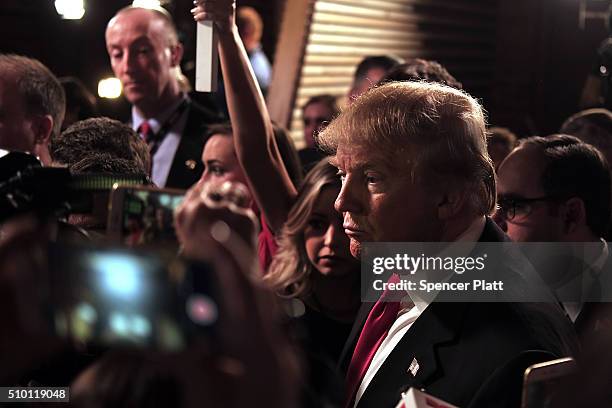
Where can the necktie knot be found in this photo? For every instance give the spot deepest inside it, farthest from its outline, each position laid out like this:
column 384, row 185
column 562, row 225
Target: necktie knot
column 146, row 131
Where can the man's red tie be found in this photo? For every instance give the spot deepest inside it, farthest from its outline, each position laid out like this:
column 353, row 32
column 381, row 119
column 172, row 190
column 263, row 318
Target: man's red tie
column 146, row 131
column 374, row 331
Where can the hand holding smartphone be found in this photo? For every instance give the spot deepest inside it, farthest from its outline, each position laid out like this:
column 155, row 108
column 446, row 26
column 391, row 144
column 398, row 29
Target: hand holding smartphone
column 143, row 216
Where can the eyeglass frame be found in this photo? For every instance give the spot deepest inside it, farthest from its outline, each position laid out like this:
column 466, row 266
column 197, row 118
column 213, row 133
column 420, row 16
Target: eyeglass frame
column 504, row 213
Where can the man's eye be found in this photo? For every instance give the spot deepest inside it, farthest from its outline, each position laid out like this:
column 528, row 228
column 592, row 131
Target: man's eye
column 341, row 175
column 219, row 171
column 372, row 178
column 521, row 208
column 116, row 55
column 144, row 50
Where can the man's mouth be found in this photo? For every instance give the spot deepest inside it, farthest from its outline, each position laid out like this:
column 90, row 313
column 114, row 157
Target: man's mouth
column 132, row 84
column 353, row 231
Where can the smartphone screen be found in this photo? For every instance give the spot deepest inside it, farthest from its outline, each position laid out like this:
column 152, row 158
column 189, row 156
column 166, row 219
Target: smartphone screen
column 115, row 296
column 146, row 216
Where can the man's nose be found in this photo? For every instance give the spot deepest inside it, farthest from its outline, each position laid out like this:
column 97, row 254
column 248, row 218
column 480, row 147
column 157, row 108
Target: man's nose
column 348, row 199
column 128, row 62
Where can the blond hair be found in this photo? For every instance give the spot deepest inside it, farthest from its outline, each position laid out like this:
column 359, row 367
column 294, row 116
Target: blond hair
column 437, row 131
column 291, row 270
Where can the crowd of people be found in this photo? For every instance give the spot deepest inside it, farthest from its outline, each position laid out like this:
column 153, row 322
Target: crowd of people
column 275, row 238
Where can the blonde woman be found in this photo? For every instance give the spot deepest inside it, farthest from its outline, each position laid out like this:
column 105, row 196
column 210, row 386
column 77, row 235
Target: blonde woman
column 313, row 262
column 322, row 272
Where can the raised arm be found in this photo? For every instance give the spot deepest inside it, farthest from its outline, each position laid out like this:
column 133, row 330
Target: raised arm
column 253, row 134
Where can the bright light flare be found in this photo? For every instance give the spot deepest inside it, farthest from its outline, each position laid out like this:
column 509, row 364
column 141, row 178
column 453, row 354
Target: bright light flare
column 152, row 4
column 109, row 88
column 70, row 9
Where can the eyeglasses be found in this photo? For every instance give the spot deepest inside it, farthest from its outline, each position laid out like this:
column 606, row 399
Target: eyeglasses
column 518, row 207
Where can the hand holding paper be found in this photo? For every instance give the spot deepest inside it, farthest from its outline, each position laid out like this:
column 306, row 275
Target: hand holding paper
column 221, row 12
column 213, row 16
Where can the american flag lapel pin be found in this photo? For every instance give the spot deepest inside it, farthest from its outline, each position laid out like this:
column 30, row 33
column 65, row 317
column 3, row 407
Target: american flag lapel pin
column 414, row 367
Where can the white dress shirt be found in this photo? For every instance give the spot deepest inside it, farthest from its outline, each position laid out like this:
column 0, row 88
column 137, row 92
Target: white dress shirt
column 164, row 156
column 410, row 310
column 573, row 309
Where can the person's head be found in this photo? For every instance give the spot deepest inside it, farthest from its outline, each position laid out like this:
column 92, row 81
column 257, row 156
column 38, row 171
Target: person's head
column 500, row 142
column 414, row 164
column 80, row 103
column 312, row 243
column 553, row 189
column 144, row 51
column 317, row 112
column 128, row 378
column 369, row 72
column 592, row 126
column 219, row 157
column 101, row 145
column 250, row 26
column 221, row 162
column 421, row 70
column 32, row 105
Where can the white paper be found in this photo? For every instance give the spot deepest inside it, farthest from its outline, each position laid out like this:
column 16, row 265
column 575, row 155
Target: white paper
column 207, row 58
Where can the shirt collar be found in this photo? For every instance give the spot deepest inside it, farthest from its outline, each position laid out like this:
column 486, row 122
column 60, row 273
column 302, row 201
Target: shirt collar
column 602, row 258
column 155, row 123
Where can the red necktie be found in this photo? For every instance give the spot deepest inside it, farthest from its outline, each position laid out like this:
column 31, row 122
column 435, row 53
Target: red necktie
column 146, row 131
column 374, row 331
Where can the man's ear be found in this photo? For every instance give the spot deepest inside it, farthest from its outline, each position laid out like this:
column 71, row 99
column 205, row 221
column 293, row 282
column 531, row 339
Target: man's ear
column 451, row 202
column 573, row 214
column 176, row 54
column 42, row 127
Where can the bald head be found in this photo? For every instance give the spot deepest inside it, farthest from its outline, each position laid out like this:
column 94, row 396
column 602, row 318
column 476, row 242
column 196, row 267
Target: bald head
column 157, row 18
column 144, row 52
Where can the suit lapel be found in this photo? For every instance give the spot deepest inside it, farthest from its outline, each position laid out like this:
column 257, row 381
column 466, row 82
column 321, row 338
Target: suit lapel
column 415, row 362
column 187, row 166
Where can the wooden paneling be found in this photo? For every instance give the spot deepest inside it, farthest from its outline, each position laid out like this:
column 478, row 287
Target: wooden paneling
column 460, row 34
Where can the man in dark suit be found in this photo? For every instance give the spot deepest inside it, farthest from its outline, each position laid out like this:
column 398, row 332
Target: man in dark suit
column 557, row 189
column 145, row 54
column 414, row 167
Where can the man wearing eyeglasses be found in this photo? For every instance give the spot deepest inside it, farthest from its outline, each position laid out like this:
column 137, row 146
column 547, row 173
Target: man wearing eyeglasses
column 557, row 189
column 554, row 189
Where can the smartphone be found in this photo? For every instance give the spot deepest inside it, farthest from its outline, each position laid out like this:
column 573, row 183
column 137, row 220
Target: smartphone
column 103, row 296
column 541, row 381
column 143, row 216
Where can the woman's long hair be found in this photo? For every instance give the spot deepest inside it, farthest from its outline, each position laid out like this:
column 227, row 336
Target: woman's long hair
column 290, row 271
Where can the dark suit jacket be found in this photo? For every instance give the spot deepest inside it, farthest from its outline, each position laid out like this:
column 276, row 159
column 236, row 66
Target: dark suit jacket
column 469, row 354
column 187, row 164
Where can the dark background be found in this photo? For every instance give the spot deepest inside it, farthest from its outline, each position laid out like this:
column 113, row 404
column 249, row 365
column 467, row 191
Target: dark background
column 542, row 57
